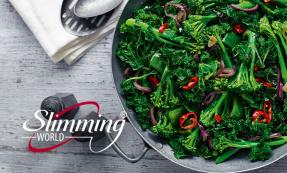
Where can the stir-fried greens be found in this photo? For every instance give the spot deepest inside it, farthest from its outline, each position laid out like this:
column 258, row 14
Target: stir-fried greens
column 209, row 76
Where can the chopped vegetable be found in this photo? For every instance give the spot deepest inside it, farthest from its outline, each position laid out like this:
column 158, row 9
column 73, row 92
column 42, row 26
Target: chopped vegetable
column 188, row 121
column 191, row 84
column 239, row 29
column 154, row 81
column 163, row 27
column 223, row 62
column 218, row 118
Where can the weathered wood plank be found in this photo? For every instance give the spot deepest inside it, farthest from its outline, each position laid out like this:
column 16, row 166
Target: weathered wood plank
column 27, row 76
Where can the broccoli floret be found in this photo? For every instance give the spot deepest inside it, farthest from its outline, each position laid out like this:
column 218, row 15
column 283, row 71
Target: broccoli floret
column 260, row 152
column 265, row 27
column 246, row 82
column 217, row 84
column 221, row 143
column 241, row 81
column 190, row 143
column 171, row 100
column 199, row 6
column 278, row 29
column 164, row 128
column 216, row 108
column 164, row 96
column 252, row 48
column 196, row 23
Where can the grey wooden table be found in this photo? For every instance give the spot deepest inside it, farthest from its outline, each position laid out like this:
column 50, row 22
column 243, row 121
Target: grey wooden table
column 27, row 76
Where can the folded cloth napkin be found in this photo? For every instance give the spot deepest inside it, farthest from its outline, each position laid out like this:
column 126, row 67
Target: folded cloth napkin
column 43, row 18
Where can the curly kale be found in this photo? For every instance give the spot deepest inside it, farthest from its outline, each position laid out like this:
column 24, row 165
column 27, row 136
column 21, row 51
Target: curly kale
column 138, row 101
column 178, row 150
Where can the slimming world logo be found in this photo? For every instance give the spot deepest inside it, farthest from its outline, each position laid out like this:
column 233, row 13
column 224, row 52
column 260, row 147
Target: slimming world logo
column 53, row 130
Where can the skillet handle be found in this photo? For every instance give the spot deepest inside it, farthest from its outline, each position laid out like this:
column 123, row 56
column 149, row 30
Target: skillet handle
column 123, row 154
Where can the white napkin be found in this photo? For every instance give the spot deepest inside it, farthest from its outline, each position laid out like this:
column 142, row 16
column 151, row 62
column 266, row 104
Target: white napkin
column 43, row 18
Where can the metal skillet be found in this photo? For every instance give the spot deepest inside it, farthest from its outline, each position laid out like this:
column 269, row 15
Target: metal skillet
column 239, row 163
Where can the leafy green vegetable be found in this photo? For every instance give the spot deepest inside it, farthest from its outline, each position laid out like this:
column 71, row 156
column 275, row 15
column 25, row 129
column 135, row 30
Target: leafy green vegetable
column 217, row 65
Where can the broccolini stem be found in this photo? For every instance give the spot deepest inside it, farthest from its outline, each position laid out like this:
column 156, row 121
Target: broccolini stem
column 225, row 55
column 281, row 141
column 226, row 155
column 209, row 5
column 222, row 98
column 244, row 144
column 283, row 43
column 253, row 53
column 139, row 77
column 281, row 63
column 247, row 144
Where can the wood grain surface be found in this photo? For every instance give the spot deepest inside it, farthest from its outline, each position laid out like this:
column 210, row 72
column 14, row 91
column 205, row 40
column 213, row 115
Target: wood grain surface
column 27, row 76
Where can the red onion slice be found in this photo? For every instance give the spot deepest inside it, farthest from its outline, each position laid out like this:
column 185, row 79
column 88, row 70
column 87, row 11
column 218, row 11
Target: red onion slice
column 203, row 132
column 182, row 14
column 209, row 142
column 141, row 88
column 272, row 136
column 196, row 57
column 152, row 117
column 227, row 72
column 275, row 136
column 210, row 97
column 128, row 71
